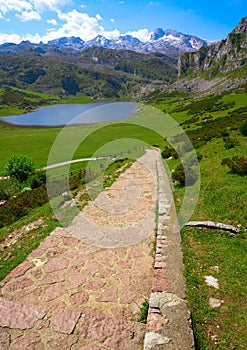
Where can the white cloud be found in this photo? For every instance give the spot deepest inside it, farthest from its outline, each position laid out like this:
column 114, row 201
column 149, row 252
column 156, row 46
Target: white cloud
column 31, row 5
column 121, row 2
column 44, row 5
column 98, row 17
column 74, row 22
column 10, row 38
column 14, row 5
column 29, row 16
column 114, row 34
column 83, row 6
column 141, row 34
column 52, row 21
column 80, row 24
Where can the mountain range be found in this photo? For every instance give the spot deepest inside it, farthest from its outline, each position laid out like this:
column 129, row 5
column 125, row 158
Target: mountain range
column 170, row 42
column 124, row 67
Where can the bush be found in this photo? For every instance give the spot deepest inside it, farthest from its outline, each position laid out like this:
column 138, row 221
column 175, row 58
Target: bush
column 17, row 207
column 186, row 147
column 193, row 159
column 179, row 175
column 19, row 167
column 230, row 142
column 237, row 165
column 169, row 152
column 243, row 128
column 9, row 188
column 37, row 179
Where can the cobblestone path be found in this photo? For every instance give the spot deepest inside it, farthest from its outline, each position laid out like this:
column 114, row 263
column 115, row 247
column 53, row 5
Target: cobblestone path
column 83, row 287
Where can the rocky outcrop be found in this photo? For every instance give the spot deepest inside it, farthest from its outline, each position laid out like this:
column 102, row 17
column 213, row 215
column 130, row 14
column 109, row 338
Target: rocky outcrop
column 224, row 56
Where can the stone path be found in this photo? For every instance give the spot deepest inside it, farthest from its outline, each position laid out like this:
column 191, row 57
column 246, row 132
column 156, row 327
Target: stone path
column 83, row 287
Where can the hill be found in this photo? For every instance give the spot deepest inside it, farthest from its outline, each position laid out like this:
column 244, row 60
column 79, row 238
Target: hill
column 217, row 68
column 96, row 72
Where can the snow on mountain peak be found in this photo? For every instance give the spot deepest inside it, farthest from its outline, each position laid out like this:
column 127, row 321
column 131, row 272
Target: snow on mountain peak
column 160, row 40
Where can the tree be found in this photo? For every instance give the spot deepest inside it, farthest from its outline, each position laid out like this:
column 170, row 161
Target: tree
column 20, row 167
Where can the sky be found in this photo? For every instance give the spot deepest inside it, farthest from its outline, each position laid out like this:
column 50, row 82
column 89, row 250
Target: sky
column 43, row 20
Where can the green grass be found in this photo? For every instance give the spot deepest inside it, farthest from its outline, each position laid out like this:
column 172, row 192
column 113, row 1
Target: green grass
column 115, row 169
column 6, row 110
column 203, row 250
column 36, row 143
column 76, row 99
column 13, row 255
column 32, row 142
column 223, row 198
column 144, row 312
column 14, row 101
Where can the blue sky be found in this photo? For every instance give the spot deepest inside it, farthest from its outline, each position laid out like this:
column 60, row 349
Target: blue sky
column 43, row 20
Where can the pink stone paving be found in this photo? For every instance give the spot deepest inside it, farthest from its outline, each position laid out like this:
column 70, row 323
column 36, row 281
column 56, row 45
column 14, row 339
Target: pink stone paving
column 72, row 292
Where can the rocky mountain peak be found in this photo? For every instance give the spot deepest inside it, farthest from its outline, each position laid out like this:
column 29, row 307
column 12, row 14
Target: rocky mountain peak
column 157, row 34
column 170, row 42
column 224, row 58
column 66, row 41
column 241, row 27
column 128, row 38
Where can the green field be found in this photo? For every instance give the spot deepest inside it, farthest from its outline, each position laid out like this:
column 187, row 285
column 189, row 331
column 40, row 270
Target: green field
column 36, row 143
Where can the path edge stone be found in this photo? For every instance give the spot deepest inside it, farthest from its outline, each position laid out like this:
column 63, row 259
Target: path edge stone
column 163, row 296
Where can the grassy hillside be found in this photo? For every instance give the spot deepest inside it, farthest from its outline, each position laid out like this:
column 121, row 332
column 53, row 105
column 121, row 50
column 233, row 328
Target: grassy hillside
column 95, row 72
column 211, row 123
column 18, row 101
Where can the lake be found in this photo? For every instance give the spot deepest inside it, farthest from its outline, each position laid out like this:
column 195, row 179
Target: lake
column 74, row 114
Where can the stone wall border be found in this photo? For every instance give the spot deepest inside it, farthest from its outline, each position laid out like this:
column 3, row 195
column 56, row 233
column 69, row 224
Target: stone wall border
column 169, row 320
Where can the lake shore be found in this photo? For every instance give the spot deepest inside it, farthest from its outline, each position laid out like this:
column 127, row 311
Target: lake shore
column 61, row 115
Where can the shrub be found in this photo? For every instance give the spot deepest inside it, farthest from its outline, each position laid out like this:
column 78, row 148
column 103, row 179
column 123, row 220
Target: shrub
column 179, row 175
column 186, row 147
column 17, row 207
column 230, row 142
column 169, row 152
column 237, row 165
column 9, row 188
column 37, row 179
column 243, row 128
column 19, row 167
column 193, row 159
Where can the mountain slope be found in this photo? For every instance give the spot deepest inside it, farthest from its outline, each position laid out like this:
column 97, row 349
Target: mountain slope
column 217, row 68
column 173, row 40
column 96, row 72
column 223, row 57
